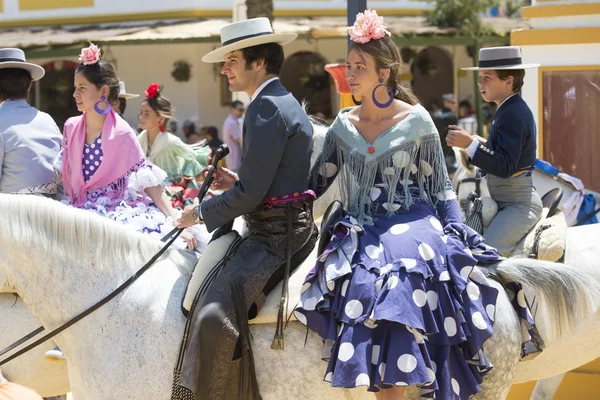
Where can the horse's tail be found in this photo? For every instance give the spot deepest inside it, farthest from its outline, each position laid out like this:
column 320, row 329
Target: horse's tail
column 569, row 294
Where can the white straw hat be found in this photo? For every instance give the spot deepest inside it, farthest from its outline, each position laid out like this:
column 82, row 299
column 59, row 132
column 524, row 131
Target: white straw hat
column 15, row 58
column 505, row 57
column 123, row 92
column 248, row 33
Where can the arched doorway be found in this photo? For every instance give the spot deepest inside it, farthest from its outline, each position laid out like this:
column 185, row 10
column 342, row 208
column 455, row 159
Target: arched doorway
column 433, row 75
column 56, row 91
column 303, row 74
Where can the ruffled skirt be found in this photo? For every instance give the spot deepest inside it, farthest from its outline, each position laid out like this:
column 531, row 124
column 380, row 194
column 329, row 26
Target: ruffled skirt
column 401, row 302
column 135, row 209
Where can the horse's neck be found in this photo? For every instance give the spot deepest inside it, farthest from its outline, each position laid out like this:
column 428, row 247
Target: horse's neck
column 58, row 288
column 62, row 261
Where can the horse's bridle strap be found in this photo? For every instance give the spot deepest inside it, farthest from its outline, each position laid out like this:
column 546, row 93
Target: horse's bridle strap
column 87, row 312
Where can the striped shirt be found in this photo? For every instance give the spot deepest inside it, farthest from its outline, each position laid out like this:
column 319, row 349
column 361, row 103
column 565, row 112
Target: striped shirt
column 232, row 132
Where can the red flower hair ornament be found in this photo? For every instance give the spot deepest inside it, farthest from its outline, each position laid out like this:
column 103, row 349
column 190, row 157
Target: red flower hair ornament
column 153, row 90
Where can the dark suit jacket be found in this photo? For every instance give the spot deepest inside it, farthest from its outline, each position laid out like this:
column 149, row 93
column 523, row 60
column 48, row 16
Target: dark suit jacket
column 277, row 145
column 512, row 144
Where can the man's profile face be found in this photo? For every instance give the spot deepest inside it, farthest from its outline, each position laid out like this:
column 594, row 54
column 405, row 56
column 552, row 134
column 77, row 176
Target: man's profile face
column 235, row 71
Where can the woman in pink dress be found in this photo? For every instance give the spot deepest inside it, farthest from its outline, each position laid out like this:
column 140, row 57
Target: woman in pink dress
column 103, row 167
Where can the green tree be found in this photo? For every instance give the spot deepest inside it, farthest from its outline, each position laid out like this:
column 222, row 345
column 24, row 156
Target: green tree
column 464, row 15
column 513, row 7
column 259, row 8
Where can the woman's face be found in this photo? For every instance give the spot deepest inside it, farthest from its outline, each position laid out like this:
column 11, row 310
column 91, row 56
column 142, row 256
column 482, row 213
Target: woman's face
column 87, row 94
column 150, row 119
column 361, row 73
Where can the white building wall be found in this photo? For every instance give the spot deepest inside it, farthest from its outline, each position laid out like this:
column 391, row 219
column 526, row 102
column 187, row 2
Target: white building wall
column 199, row 99
column 550, row 56
column 13, row 12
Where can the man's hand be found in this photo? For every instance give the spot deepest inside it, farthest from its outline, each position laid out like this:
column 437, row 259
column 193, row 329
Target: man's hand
column 224, row 178
column 458, row 137
column 187, row 219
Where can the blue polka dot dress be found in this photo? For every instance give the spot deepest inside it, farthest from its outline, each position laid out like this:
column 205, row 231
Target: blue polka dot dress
column 397, row 294
column 125, row 201
column 92, row 157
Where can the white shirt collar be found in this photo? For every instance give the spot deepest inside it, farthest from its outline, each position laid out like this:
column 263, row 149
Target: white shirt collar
column 514, row 94
column 261, row 87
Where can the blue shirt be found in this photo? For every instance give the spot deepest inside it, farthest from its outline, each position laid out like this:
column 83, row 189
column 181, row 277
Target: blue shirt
column 29, row 143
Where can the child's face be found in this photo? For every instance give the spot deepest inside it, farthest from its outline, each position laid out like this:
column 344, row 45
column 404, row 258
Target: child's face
column 492, row 88
column 149, row 119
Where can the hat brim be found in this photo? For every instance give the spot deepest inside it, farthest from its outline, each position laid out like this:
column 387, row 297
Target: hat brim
column 128, row 96
column 34, row 70
column 517, row 66
column 218, row 55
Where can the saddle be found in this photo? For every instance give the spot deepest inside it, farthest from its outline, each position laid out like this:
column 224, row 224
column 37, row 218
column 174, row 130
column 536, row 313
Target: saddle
column 545, row 241
column 225, row 239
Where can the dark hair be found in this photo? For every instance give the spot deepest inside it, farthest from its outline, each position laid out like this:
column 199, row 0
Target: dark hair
column 189, row 128
column 100, row 74
column 162, row 106
column 122, row 105
column 517, row 74
column 387, row 55
column 14, row 84
column 211, row 131
column 465, row 103
column 236, row 103
column 270, row 53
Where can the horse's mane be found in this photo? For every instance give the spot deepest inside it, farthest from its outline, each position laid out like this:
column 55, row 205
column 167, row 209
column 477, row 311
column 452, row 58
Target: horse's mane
column 58, row 231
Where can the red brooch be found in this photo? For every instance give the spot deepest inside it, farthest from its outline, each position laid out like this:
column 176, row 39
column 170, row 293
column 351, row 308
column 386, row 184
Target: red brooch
column 371, row 150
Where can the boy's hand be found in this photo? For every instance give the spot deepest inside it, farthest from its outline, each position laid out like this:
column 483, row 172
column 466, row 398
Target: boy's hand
column 458, row 137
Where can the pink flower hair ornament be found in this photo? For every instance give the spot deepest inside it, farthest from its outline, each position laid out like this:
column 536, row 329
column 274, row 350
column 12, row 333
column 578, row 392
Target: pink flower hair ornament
column 368, row 26
column 90, row 55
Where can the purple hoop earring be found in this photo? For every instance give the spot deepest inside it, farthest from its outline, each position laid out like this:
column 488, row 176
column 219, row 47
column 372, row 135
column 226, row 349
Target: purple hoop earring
column 358, row 103
column 390, row 92
column 99, row 110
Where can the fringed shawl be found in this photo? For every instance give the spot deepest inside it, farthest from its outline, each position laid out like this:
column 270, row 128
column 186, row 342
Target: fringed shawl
column 412, row 146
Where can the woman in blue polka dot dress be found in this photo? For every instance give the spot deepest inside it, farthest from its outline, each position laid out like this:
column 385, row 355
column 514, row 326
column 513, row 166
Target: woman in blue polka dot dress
column 396, row 294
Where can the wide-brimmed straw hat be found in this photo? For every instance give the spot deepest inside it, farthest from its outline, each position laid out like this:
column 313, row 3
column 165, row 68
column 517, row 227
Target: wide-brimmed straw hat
column 505, row 57
column 123, row 92
column 15, row 58
column 248, row 33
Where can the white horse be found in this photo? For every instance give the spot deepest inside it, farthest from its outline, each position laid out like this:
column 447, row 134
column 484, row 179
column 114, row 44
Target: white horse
column 128, row 348
column 582, row 248
column 542, row 182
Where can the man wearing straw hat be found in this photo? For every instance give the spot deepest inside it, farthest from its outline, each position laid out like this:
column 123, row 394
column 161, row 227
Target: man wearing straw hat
column 508, row 155
column 271, row 190
column 29, row 139
column 121, row 104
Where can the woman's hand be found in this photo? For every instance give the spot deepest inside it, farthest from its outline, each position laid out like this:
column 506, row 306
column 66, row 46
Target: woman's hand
column 189, row 240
